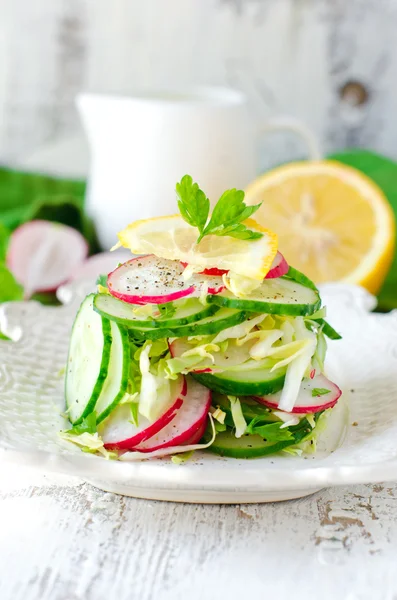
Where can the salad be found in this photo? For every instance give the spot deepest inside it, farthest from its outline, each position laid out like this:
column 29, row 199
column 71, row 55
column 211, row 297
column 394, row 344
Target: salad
column 205, row 340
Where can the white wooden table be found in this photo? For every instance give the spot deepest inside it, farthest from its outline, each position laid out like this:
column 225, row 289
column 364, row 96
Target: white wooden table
column 62, row 539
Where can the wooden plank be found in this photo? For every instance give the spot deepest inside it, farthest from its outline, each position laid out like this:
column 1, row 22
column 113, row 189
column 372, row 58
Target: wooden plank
column 64, row 540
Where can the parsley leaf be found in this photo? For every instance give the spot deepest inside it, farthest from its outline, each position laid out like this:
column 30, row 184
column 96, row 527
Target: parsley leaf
column 166, row 310
column 102, row 280
column 87, row 425
column 193, row 204
column 228, row 214
column 270, row 431
column 320, row 392
column 227, row 217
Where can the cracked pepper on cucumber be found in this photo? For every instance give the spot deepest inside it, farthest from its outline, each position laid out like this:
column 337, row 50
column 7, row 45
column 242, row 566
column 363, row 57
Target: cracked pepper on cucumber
column 207, row 339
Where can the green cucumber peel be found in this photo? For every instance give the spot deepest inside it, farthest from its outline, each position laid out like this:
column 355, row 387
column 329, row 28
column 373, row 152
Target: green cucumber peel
column 280, row 296
column 187, row 312
column 98, row 327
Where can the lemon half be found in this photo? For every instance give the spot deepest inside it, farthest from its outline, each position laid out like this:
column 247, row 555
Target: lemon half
column 333, row 222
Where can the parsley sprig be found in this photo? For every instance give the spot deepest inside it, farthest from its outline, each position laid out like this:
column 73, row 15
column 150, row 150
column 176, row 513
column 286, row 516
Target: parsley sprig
column 227, row 217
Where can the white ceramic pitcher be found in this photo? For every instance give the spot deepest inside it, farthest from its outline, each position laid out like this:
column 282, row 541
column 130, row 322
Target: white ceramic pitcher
column 142, row 145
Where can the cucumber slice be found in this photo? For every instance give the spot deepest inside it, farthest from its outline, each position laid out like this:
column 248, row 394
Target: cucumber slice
column 296, row 275
column 248, row 446
column 250, row 409
column 187, row 311
column 88, row 360
column 243, row 383
column 224, row 318
column 253, row 446
column 275, row 296
column 116, row 382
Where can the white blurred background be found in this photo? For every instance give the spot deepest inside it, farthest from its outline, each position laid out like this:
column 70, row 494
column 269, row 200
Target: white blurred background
column 331, row 63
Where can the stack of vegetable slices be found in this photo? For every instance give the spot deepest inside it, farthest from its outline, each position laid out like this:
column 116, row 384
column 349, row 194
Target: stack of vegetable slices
column 162, row 365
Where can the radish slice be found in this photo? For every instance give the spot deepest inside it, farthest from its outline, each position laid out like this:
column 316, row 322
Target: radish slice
column 148, row 279
column 42, row 255
column 189, row 422
column 278, row 268
column 162, row 452
column 152, row 280
column 306, row 402
column 120, row 433
column 104, row 262
column 196, row 437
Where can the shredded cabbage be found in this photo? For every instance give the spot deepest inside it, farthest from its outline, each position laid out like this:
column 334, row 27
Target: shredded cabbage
column 203, row 351
column 288, row 353
column 238, row 331
column 267, row 338
column 238, row 417
column 179, row 459
column 297, row 368
column 288, row 331
column 219, row 415
column 88, row 442
column 321, row 350
column 155, row 394
column 288, row 419
column 319, row 314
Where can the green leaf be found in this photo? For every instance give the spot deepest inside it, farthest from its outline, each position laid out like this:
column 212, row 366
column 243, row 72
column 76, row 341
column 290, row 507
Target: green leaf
column 320, row 392
column 10, row 289
column 227, row 217
column 102, row 280
column 4, row 239
column 271, row 432
column 228, row 214
column 193, row 204
column 87, row 425
column 167, row 310
column 383, row 171
column 240, row 232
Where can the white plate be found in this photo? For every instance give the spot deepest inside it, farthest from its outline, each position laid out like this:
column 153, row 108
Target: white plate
column 364, row 363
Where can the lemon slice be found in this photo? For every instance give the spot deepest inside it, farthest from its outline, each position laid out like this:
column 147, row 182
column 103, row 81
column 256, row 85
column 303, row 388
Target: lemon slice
column 333, row 222
column 172, row 238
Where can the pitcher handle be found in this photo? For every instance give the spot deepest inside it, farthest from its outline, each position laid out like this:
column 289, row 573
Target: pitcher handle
column 300, row 129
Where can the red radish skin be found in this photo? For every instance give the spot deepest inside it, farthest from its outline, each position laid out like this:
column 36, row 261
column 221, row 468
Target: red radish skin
column 307, row 403
column 196, row 437
column 145, row 430
column 279, row 267
column 43, row 255
column 189, row 421
column 152, row 280
column 148, row 272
